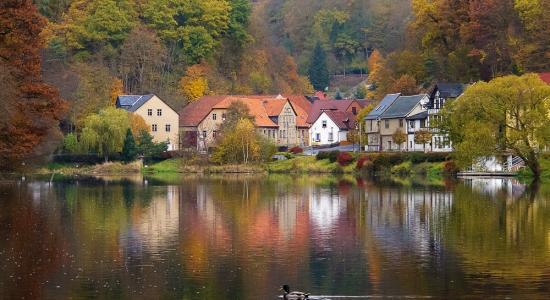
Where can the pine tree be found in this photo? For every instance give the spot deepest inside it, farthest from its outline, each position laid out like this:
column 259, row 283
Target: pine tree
column 318, row 71
column 129, row 150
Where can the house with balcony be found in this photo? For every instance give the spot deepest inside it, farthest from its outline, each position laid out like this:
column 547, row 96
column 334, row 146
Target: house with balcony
column 162, row 119
column 441, row 94
column 415, row 124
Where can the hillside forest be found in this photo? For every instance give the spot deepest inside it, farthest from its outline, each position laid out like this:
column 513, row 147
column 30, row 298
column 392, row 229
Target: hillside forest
column 63, row 60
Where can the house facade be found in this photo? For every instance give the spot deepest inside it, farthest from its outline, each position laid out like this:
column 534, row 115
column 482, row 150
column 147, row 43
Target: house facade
column 278, row 119
column 163, row 120
column 389, row 118
column 331, row 127
column 440, row 95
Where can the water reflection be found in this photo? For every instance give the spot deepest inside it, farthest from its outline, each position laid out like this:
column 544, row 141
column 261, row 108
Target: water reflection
column 242, row 237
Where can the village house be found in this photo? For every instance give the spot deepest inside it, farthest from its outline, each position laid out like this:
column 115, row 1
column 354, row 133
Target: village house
column 332, row 127
column 280, row 119
column 439, row 96
column 163, row 120
column 372, row 122
column 391, row 117
column 331, row 120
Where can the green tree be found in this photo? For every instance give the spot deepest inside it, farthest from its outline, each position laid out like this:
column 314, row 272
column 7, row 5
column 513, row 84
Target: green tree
column 104, row 133
column 506, row 115
column 148, row 148
column 318, row 70
column 129, row 149
column 240, row 145
column 70, row 143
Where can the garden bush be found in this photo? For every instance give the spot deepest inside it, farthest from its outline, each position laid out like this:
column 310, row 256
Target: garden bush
column 403, row 169
column 450, row 167
column 330, row 155
column 296, row 150
column 344, row 158
column 361, row 162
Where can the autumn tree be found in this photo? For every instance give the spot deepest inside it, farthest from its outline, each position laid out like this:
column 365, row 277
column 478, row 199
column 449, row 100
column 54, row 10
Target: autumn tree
column 380, row 76
column 399, row 137
column 138, row 124
column 406, row 85
column 506, row 115
column 30, row 109
column 423, row 137
column 143, row 60
column 117, row 89
column 194, row 84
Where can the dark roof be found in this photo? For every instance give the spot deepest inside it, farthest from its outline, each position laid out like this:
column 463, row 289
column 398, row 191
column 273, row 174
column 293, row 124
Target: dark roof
column 344, row 120
column 382, row 106
column 132, row 102
column 450, row 90
column 419, row 116
column 402, row 106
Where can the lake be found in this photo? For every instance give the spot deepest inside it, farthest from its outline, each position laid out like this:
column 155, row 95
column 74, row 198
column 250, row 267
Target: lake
column 242, row 237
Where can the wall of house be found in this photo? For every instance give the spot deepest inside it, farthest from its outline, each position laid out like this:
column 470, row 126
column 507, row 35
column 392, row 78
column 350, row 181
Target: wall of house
column 324, row 132
column 288, row 133
column 209, row 127
column 166, row 124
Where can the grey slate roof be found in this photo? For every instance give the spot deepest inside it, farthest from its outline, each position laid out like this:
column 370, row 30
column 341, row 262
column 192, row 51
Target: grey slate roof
column 450, row 90
column 382, row 106
column 402, row 106
column 132, row 102
column 419, row 116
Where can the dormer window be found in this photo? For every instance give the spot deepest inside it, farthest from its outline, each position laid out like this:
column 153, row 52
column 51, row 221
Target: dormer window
column 354, row 110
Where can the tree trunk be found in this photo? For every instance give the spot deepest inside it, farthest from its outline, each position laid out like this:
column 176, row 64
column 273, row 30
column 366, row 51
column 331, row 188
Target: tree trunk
column 533, row 163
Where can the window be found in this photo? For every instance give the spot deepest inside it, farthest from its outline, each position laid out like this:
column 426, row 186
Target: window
column 330, row 136
column 387, row 124
column 411, row 145
column 317, row 137
column 214, row 133
column 354, row 110
column 223, row 117
column 423, row 123
column 389, row 145
column 204, row 134
column 154, row 128
column 401, row 123
column 214, row 117
column 149, row 112
column 159, row 112
column 411, row 124
column 167, row 127
column 324, row 124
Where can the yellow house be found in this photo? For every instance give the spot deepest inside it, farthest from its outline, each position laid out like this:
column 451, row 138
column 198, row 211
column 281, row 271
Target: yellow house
column 162, row 119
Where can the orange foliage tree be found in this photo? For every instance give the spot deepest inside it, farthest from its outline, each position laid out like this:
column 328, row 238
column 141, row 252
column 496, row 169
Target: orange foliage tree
column 31, row 109
column 194, row 84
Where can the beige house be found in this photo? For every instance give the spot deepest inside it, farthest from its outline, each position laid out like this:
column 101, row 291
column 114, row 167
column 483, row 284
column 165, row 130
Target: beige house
column 393, row 119
column 278, row 119
column 162, row 119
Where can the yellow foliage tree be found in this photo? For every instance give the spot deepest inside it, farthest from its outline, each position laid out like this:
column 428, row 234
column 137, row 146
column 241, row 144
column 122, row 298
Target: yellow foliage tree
column 194, row 84
column 117, row 89
column 138, row 124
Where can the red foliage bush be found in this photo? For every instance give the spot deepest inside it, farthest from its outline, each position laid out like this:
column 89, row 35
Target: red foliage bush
column 450, row 167
column 344, row 158
column 361, row 162
column 296, row 150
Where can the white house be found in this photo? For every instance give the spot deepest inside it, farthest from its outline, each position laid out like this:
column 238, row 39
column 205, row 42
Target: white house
column 331, row 127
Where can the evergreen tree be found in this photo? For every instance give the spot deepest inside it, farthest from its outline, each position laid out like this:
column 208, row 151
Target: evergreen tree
column 318, row 71
column 129, row 149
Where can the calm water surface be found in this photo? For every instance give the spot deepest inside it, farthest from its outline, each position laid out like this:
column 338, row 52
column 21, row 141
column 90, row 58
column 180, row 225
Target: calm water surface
column 242, row 237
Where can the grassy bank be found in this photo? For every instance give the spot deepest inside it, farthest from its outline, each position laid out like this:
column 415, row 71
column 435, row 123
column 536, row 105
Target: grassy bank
column 307, row 165
column 180, row 165
column 105, row 169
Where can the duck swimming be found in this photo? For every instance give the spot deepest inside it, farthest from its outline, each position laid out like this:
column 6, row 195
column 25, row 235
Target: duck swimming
column 294, row 295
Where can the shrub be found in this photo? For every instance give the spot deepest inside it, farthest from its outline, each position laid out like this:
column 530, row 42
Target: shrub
column 450, row 167
column 344, row 158
column 330, row 155
column 403, row 169
column 361, row 162
column 296, row 150
column 333, row 156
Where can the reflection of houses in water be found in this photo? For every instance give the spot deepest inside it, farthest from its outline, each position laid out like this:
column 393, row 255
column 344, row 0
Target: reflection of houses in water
column 325, row 208
column 510, row 187
column 414, row 214
column 157, row 225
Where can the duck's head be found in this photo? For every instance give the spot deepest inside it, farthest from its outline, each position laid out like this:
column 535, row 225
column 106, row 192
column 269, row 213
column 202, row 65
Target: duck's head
column 286, row 288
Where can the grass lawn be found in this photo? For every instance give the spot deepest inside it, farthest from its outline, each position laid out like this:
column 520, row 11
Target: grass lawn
column 307, row 164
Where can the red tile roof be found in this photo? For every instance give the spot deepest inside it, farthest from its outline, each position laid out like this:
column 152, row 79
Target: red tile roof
column 319, row 106
column 344, row 120
column 255, row 107
column 193, row 113
column 545, row 77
